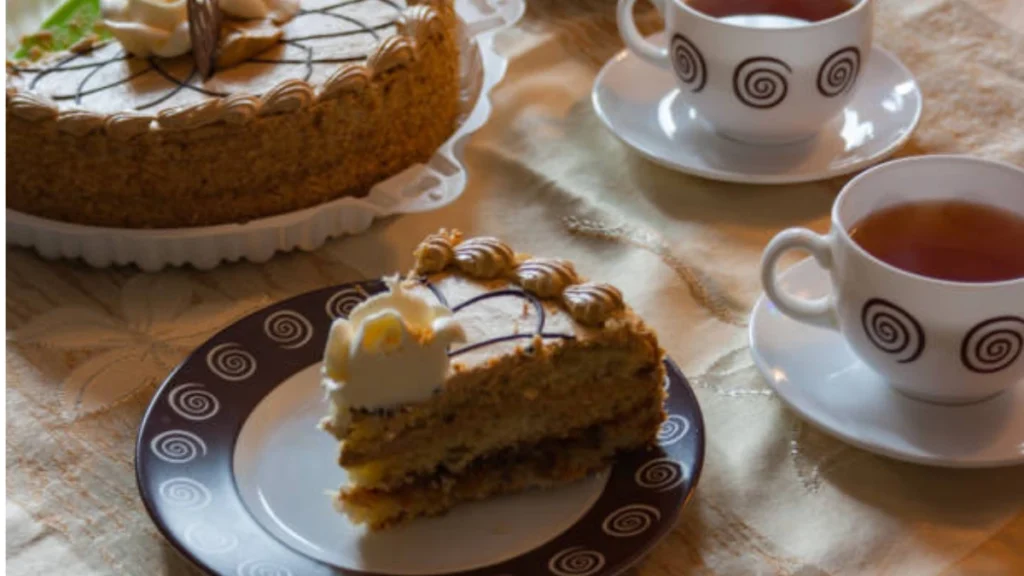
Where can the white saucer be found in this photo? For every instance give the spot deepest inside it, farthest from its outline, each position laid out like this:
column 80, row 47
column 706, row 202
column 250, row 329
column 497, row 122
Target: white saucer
column 642, row 105
column 814, row 372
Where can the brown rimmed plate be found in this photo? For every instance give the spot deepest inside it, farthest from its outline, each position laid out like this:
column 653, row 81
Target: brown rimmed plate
column 233, row 471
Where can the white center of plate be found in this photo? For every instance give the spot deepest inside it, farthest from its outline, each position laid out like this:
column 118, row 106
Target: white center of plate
column 284, row 467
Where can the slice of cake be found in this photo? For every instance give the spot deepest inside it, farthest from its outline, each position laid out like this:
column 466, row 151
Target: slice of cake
column 308, row 101
column 484, row 372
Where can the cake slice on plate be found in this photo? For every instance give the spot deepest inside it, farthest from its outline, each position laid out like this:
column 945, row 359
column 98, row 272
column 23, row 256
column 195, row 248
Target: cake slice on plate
column 484, row 372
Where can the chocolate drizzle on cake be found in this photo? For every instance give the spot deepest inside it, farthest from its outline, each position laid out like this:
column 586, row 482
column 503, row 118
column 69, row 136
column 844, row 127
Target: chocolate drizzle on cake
column 135, row 68
column 538, row 307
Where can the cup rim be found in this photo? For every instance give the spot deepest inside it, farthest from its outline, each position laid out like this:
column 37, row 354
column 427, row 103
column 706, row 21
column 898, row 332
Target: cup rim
column 837, row 224
column 860, row 5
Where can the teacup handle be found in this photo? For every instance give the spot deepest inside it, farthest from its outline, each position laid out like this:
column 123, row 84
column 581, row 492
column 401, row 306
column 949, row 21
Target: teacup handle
column 637, row 43
column 819, row 312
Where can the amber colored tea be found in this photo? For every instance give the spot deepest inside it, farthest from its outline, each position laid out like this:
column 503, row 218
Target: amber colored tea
column 946, row 239
column 798, row 10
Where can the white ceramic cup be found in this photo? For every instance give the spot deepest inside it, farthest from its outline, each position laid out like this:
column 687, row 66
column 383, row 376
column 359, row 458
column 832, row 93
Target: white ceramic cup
column 935, row 340
column 755, row 84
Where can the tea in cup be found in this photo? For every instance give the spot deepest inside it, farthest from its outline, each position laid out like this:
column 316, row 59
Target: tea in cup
column 926, row 262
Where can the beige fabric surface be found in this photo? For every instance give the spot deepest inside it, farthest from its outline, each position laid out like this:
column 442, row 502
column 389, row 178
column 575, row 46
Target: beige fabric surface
column 86, row 348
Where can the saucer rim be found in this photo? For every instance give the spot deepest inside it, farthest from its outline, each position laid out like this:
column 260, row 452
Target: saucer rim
column 757, row 178
column 926, row 459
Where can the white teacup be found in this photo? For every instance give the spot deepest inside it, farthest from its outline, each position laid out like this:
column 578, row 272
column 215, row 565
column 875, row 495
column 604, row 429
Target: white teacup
column 757, row 84
column 936, row 340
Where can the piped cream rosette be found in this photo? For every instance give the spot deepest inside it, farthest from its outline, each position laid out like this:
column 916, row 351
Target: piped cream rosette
column 391, row 350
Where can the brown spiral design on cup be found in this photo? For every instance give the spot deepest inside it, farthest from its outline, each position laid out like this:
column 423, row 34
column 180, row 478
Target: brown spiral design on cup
column 592, row 303
column 485, row 257
column 546, row 277
column 688, row 62
column 993, row 345
column 892, row 330
column 760, row 82
column 839, row 72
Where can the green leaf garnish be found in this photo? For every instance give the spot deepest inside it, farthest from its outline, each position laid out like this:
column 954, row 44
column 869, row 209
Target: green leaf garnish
column 70, row 22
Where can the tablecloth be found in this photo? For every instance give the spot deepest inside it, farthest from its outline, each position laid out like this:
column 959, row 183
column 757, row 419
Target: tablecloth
column 86, row 348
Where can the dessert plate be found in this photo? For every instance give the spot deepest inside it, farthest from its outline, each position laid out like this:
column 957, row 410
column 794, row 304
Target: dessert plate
column 419, row 188
column 814, row 372
column 234, row 472
column 643, row 106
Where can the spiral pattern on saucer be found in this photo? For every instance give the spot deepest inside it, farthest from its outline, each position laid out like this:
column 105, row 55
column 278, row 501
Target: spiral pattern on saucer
column 576, row 561
column 993, row 345
column 892, row 330
column 688, row 62
column 761, row 82
column 192, row 402
column 484, row 257
column 630, row 520
column 288, row 328
column 546, row 277
column 231, row 362
column 839, row 72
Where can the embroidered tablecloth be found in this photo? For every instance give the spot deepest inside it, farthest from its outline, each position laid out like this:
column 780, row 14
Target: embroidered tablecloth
column 86, row 348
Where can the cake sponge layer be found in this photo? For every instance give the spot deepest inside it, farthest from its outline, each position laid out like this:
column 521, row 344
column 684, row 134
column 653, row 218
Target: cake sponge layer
column 556, row 409
column 547, row 463
column 516, row 393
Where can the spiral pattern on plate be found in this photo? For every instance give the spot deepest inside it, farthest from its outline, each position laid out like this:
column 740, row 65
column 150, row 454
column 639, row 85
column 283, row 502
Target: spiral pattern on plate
column 688, row 62
column 576, row 561
column 630, row 520
column 672, row 430
column 340, row 304
column 185, row 493
column 892, row 330
column 288, row 328
column 229, row 361
column 761, row 82
column 210, row 539
column 993, row 345
column 262, row 568
column 177, row 446
column 192, row 402
column 839, row 71
column 660, row 474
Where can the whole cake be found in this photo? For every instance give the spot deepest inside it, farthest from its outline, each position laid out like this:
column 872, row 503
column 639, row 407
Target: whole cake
column 309, row 100
column 484, row 372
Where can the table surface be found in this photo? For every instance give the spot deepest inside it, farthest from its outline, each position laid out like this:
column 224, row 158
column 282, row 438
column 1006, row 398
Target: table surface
column 86, row 348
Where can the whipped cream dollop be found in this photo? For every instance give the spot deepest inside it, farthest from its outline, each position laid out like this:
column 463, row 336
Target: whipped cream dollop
column 160, row 27
column 391, row 350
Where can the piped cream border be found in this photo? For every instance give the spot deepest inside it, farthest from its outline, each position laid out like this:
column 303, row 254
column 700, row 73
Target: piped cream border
column 415, row 26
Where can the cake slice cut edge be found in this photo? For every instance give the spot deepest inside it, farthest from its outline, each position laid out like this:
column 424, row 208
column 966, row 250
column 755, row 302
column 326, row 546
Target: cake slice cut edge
column 556, row 377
